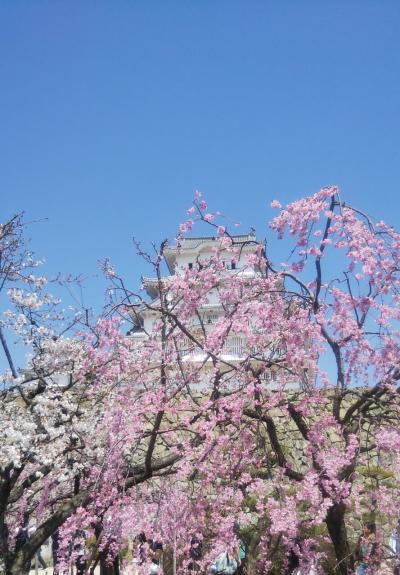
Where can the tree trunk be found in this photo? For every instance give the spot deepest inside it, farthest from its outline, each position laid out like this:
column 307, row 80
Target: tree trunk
column 5, row 489
column 19, row 567
column 109, row 569
column 252, row 542
column 337, row 531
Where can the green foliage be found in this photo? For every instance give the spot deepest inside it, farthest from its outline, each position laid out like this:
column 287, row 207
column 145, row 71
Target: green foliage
column 376, row 472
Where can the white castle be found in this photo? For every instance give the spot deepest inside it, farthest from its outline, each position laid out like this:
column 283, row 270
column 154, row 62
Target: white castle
column 190, row 253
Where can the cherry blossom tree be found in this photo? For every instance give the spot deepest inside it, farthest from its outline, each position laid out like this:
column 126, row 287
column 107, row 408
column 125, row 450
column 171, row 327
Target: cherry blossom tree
column 290, row 445
column 41, row 427
column 60, row 447
column 306, row 424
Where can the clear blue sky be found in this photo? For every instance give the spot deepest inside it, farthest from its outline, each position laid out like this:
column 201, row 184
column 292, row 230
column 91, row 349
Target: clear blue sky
column 114, row 112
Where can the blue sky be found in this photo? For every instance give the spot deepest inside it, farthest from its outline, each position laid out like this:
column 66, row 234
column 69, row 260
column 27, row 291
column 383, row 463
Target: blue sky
column 113, row 113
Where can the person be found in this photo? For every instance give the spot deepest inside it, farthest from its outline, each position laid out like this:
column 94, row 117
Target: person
column 241, row 550
column 109, row 565
column 242, row 557
column 55, row 544
column 224, row 564
column 140, row 553
column 394, row 544
column 195, row 553
column 22, row 532
column 293, row 560
column 293, row 563
column 155, row 554
column 38, row 555
column 80, row 550
column 367, row 551
column 40, row 559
